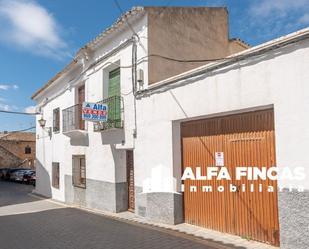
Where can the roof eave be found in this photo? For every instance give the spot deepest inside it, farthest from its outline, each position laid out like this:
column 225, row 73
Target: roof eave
column 264, row 47
column 56, row 77
column 90, row 45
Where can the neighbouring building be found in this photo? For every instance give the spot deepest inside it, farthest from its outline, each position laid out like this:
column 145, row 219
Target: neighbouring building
column 180, row 93
column 17, row 149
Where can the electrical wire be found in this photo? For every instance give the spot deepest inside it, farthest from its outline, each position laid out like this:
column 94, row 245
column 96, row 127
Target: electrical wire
column 27, row 129
column 16, row 131
column 20, row 113
column 144, row 59
column 138, row 62
column 122, row 13
column 186, row 61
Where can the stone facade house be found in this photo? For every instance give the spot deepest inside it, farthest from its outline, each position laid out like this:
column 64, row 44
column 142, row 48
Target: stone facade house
column 17, row 150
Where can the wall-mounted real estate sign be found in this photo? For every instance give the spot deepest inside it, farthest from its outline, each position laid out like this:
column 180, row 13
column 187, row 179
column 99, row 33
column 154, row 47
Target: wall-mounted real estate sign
column 95, row 112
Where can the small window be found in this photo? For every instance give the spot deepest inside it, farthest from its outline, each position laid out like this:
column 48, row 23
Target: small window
column 55, row 174
column 79, row 171
column 27, row 149
column 56, row 120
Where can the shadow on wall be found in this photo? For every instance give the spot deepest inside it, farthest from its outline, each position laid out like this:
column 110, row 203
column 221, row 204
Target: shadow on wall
column 43, row 183
column 121, row 186
column 82, row 140
column 113, row 137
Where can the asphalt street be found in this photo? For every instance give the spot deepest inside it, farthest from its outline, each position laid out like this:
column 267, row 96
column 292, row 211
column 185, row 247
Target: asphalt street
column 30, row 223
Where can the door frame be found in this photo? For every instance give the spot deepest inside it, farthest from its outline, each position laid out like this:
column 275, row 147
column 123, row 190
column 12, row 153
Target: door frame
column 223, row 115
column 128, row 152
column 81, row 122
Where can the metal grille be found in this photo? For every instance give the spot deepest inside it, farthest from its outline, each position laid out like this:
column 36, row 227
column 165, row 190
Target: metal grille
column 56, row 120
column 115, row 114
column 71, row 118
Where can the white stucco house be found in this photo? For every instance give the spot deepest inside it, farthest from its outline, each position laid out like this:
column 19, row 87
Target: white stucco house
column 180, row 93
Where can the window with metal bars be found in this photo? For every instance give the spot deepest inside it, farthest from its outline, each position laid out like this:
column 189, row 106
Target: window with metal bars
column 56, row 120
column 27, row 149
column 79, row 171
column 55, row 174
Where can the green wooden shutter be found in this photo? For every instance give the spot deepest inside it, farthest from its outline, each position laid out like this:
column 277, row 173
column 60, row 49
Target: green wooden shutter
column 114, row 106
column 114, row 83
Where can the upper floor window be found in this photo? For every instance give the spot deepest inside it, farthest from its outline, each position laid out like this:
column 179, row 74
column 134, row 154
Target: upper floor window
column 27, row 149
column 56, row 120
column 81, row 98
column 114, row 83
column 114, row 103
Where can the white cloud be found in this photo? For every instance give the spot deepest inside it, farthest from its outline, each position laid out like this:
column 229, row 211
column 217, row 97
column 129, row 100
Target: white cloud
column 8, row 87
column 30, row 109
column 4, row 87
column 5, row 107
column 268, row 19
column 276, row 7
column 28, row 25
column 304, row 19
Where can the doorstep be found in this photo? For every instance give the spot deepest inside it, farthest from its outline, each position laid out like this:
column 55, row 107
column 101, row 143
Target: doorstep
column 224, row 239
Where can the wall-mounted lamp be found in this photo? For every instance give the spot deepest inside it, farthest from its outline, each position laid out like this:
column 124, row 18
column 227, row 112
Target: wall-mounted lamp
column 42, row 123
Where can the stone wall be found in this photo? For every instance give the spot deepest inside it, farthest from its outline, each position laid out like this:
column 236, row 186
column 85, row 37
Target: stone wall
column 99, row 195
column 294, row 217
column 7, row 159
column 161, row 207
column 17, row 148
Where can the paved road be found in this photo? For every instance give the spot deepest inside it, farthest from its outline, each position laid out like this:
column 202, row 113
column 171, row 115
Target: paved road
column 29, row 223
column 14, row 193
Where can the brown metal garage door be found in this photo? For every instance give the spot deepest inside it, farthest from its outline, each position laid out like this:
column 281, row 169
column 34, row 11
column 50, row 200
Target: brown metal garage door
column 246, row 140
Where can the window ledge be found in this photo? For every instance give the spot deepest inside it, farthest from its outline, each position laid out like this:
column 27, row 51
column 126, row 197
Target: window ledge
column 77, row 186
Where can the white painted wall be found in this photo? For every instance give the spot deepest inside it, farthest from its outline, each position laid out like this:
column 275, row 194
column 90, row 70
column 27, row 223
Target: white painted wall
column 105, row 154
column 279, row 78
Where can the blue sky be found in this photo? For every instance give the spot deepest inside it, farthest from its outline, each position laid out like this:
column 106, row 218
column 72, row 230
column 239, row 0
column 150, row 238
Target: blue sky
column 38, row 37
